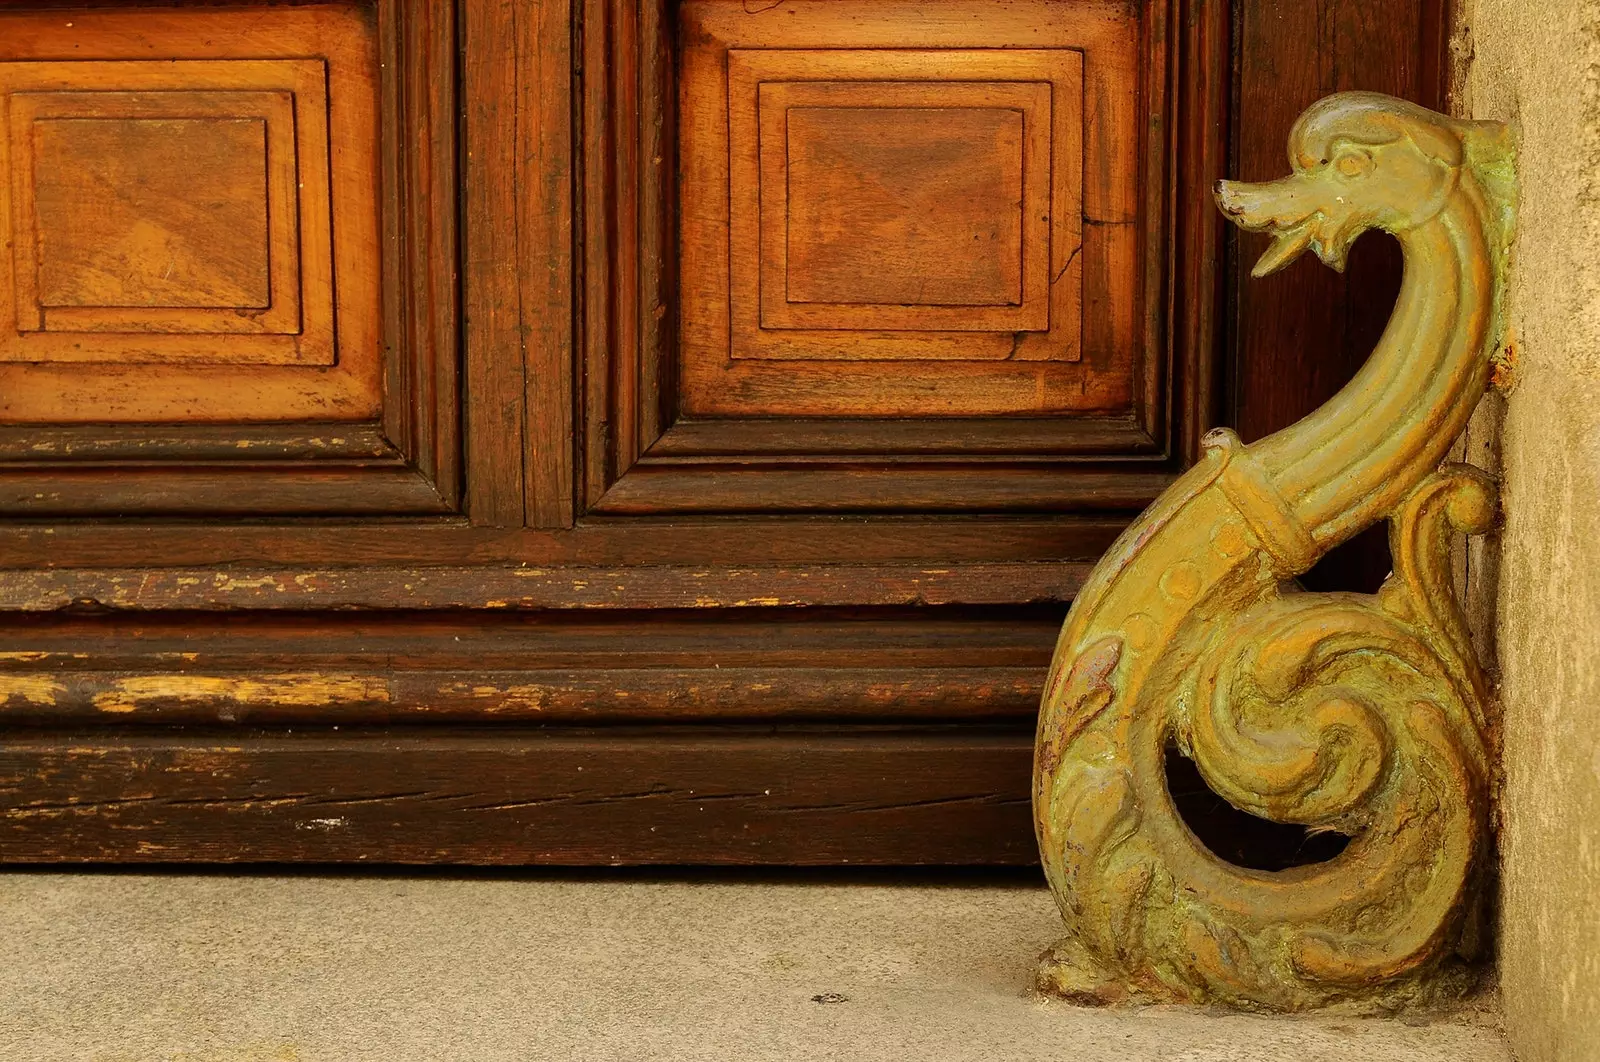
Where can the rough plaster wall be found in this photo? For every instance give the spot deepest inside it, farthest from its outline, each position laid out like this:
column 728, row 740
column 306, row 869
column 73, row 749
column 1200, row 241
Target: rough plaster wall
column 1538, row 65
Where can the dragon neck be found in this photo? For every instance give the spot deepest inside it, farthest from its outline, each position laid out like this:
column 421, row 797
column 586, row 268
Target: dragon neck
column 1352, row 461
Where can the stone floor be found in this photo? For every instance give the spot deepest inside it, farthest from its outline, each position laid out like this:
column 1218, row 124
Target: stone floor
column 201, row 967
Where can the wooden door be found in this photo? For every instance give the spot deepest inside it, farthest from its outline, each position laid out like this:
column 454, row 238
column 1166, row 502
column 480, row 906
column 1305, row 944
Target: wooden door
column 587, row 431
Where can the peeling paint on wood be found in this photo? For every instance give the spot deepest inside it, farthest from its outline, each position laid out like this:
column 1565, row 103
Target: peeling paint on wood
column 569, row 695
column 540, row 588
column 299, row 689
column 30, row 689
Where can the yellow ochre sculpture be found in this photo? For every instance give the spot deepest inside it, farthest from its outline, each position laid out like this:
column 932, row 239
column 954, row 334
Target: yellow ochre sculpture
column 1363, row 714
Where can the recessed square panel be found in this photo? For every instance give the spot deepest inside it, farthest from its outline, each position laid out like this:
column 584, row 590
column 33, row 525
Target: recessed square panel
column 912, row 206
column 832, row 166
column 191, row 248
column 884, row 215
column 919, row 206
column 149, row 218
column 172, row 212
column 189, row 215
column 902, row 206
column 119, row 226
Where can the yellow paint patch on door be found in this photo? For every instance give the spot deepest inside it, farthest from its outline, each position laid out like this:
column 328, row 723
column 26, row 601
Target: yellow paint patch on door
column 34, row 689
column 299, row 688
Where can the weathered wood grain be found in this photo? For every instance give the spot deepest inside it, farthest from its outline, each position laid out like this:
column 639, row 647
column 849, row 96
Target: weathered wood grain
column 236, row 489
column 264, row 697
column 577, row 666
column 612, row 797
column 542, row 102
column 753, row 541
column 653, row 587
column 493, row 370
column 714, row 487
column 421, row 183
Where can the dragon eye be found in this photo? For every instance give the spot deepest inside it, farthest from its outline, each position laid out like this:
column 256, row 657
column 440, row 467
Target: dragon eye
column 1353, row 163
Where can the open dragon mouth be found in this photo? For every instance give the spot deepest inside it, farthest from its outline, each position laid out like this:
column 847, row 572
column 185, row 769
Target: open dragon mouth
column 1288, row 210
column 1285, row 247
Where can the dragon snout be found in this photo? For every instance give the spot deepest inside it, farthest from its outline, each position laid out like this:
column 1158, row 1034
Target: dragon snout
column 1277, row 204
column 1291, row 209
column 1238, row 200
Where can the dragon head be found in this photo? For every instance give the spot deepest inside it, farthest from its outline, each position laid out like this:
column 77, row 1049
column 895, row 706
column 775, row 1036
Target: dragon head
column 1361, row 160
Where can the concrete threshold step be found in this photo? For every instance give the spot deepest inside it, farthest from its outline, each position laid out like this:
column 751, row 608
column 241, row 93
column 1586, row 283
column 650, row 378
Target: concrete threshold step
column 207, row 967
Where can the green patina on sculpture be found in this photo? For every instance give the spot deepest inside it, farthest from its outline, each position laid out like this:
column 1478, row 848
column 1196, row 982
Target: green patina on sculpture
column 1365, row 714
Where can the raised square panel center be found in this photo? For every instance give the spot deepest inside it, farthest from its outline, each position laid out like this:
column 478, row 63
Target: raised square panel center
column 152, row 212
column 905, row 206
column 876, row 205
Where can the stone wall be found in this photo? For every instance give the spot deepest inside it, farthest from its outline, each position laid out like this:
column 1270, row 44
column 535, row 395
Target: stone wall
column 1537, row 64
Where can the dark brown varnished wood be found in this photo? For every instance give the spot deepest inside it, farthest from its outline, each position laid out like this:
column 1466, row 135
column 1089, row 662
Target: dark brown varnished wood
column 558, row 587
column 701, row 665
column 236, row 488
column 493, row 369
column 421, row 283
column 890, row 797
column 842, row 539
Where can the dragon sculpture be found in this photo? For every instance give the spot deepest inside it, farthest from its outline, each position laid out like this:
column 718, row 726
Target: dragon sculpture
column 1362, row 714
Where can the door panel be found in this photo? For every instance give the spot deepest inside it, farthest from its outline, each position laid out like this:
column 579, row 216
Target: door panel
column 192, row 319
column 922, row 217
column 692, row 420
column 833, row 161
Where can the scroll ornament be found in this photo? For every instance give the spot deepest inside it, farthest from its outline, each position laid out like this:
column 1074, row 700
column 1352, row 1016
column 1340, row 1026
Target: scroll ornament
column 1363, row 714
